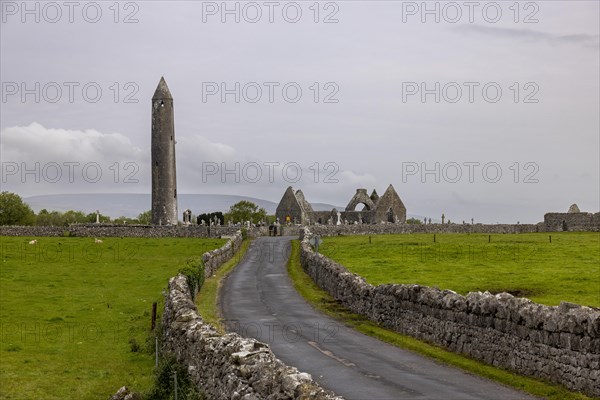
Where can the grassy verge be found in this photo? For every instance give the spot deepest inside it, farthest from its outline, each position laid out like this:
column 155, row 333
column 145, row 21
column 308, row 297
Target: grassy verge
column 207, row 298
column 326, row 304
column 75, row 315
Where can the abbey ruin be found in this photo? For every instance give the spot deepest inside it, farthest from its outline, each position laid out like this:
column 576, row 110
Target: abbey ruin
column 295, row 209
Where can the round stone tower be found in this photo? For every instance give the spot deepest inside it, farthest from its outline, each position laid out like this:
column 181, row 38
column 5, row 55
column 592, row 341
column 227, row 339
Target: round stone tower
column 164, row 180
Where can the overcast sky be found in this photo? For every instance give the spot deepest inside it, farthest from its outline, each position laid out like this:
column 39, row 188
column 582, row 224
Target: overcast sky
column 497, row 103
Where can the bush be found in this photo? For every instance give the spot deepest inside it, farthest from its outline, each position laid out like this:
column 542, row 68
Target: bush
column 150, row 345
column 244, row 233
column 135, row 346
column 194, row 273
column 164, row 382
column 210, row 217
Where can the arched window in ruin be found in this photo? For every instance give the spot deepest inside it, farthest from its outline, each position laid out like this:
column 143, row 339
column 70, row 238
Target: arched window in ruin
column 390, row 215
column 361, row 197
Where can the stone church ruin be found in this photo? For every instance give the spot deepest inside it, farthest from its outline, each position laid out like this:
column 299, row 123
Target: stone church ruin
column 295, row 209
column 572, row 220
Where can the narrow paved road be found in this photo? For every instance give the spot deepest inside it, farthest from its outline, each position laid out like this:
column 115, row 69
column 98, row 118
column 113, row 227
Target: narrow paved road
column 258, row 300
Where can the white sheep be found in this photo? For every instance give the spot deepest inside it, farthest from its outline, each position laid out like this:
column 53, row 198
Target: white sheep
column 33, row 241
column 97, row 241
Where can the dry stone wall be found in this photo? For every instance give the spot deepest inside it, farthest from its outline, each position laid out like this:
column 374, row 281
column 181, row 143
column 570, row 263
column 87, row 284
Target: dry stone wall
column 559, row 344
column 227, row 366
column 107, row 230
column 34, row 231
column 378, row 229
column 217, row 257
column 553, row 222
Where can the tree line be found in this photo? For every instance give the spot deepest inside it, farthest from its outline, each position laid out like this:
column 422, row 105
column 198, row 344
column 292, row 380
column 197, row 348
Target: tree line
column 14, row 211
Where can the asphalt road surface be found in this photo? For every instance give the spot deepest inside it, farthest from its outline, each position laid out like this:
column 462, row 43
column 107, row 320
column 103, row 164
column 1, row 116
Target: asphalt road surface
column 258, row 300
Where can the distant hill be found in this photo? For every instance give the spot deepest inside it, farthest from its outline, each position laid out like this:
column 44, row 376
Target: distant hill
column 130, row 205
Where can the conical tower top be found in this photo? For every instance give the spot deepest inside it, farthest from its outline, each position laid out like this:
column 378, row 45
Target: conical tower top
column 162, row 90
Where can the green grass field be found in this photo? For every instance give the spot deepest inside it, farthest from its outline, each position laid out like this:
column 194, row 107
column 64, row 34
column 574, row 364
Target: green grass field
column 525, row 265
column 72, row 311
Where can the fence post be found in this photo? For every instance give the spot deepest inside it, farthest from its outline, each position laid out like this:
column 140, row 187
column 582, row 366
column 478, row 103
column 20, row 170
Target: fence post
column 153, row 323
column 175, row 376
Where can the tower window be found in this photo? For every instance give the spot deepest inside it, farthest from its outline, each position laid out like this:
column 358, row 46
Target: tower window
column 171, row 138
column 162, row 103
column 156, row 163
column 175, row 193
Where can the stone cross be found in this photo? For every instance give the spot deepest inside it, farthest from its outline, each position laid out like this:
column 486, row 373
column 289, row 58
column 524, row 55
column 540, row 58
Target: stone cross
column 443, row 217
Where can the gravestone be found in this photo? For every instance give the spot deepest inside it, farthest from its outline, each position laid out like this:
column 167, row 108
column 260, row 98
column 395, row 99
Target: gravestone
column 187, row 217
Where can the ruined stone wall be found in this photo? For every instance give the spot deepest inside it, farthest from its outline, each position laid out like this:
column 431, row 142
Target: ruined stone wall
column 227, row 366
column 361, row 217
column 560, row 344
column 366, row 216
column 107, row 230
column 390, row 201
column 378, row 229
column 9, row 230
column 284, row 230
column 572, row 222
column 553, row 222
column 324, row 216
column 289, row 206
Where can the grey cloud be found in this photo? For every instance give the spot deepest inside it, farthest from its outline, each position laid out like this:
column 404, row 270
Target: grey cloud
column 370, row 53
column 585, row 40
